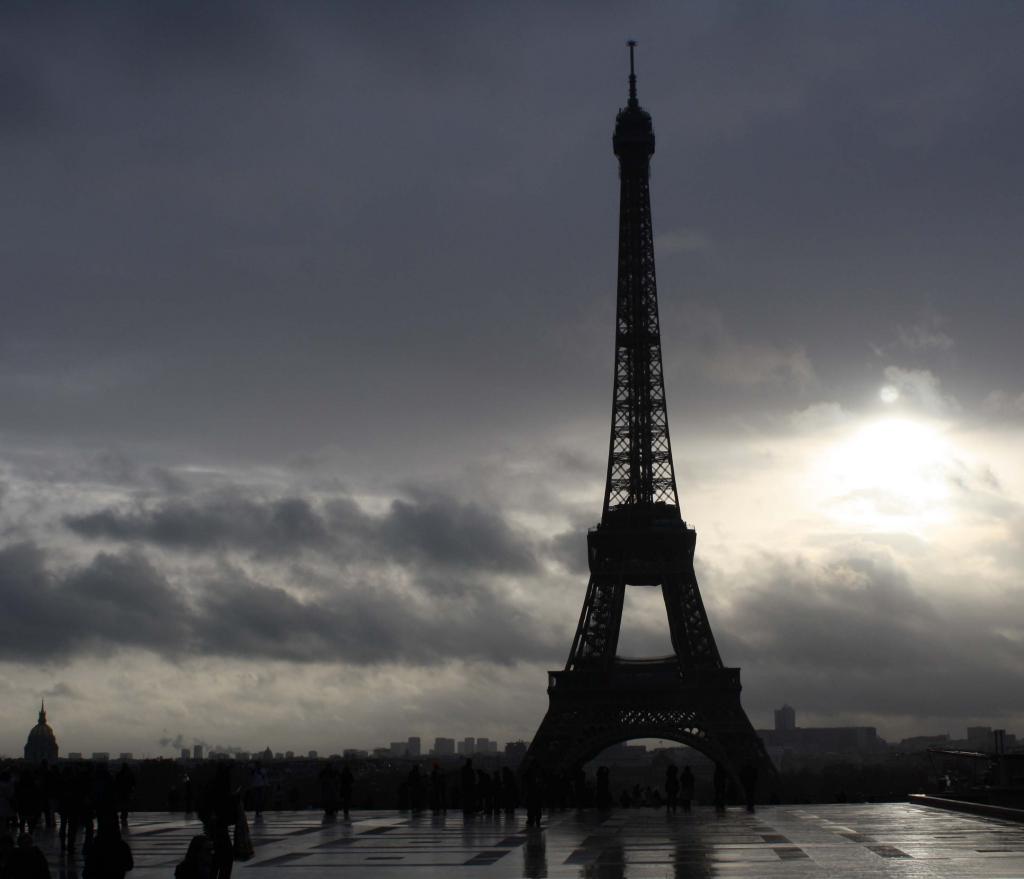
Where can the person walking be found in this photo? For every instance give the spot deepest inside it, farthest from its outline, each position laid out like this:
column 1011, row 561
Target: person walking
column 533, row 781
column 467, row 777
column 198, row 863
column 671, row 788
column 686, row 786
column 124, row 789
column 345, row 789
column 26, row 861
column 109, row 856
column 721, row 780
column 220, row 810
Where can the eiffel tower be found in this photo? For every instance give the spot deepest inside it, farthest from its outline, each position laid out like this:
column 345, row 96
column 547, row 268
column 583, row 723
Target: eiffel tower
column 690, row 697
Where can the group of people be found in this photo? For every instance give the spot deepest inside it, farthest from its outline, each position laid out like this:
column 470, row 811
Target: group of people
column 484, row 793
column 87, row 799
column 82, row 796
column 93, row 804
column 678, row 788
column 335, row 791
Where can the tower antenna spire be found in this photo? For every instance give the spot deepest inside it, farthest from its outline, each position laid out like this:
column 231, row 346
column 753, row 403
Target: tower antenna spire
column 632, row 74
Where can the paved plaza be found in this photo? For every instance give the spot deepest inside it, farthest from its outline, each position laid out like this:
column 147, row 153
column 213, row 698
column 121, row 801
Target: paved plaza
column 802, row 841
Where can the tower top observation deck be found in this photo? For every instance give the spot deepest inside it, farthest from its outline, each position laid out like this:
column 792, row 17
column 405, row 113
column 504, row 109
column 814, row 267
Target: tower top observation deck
column 634, row 132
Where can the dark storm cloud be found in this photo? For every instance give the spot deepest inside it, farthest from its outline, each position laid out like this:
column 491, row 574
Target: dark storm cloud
column 436, row 530
column 275, row 528
column 569, row 549
column 855, row 635
column 121, row 601
column 116, row 601
column 192, row 238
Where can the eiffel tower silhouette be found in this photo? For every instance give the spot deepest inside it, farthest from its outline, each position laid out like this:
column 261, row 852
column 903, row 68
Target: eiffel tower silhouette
column 690, row 697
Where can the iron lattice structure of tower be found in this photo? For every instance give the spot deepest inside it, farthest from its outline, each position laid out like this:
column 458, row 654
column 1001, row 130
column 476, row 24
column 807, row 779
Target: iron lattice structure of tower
column 600, row 699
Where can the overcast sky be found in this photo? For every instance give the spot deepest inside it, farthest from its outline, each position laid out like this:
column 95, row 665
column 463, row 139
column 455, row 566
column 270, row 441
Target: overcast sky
column 306, row 328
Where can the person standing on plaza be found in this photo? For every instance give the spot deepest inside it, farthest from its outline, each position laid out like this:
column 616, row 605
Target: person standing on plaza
column 124, row 789
column 345, row 788
column 686, row 786
column 26, row 861
column 109, row 856
column 721, row 779
column 220, row 813
column 671, row 788
column 467, row 777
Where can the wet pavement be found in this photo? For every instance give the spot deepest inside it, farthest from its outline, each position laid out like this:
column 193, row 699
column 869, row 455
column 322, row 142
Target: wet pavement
column 891, row 839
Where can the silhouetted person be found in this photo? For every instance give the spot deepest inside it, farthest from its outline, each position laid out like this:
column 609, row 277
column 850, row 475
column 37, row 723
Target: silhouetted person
column 26, row 861
column 509, row 792
column 415, row 783
column 220, row 814
column 533, row 782
column 483, row 792
column 748, row 778
column 8, row 808
column 26, row 795
column 686, row 786
column 258, row 785
column 345, row 783
column 104, row 798
column 672, row 788
column 198, row 863
column 124, row 789
column 468, row 787
column 437, row 799
column 63, row 784
column 496, row 800
column 329, row 784
column 603, row 793
column 721, row 779
column 109, row 856
column 47, row 781
column 81, row 808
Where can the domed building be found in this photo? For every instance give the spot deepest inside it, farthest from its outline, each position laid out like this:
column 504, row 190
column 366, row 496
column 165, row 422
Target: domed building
column 42, row 743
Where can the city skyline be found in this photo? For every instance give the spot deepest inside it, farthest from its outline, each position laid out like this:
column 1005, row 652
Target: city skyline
column 306, row 361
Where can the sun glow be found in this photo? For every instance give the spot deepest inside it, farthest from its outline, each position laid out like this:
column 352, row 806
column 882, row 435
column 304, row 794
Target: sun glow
column 890, row 475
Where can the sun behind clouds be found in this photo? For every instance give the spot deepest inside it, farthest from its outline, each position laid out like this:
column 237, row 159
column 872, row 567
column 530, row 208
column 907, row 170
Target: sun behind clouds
column 890, row 474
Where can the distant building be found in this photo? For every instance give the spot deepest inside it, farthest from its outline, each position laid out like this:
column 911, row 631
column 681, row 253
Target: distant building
column 278, row 755
column 398, row 749
column 443, row 747
column 413, row 746
column 100, row 757
column 186, row 754
column 515, row 751
column 266, row 754
column 289, row 755
column 486, row 746
column 75, row 755
column 42, row 743
column 922, row 743
column 312, row 755
column 354, row 754
column 785, row 718
column 980, row 737
column 244, row 756
column 382, row 752
column 467, row 747
column 787, row 736
column 125, row 756
column 197, row 752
